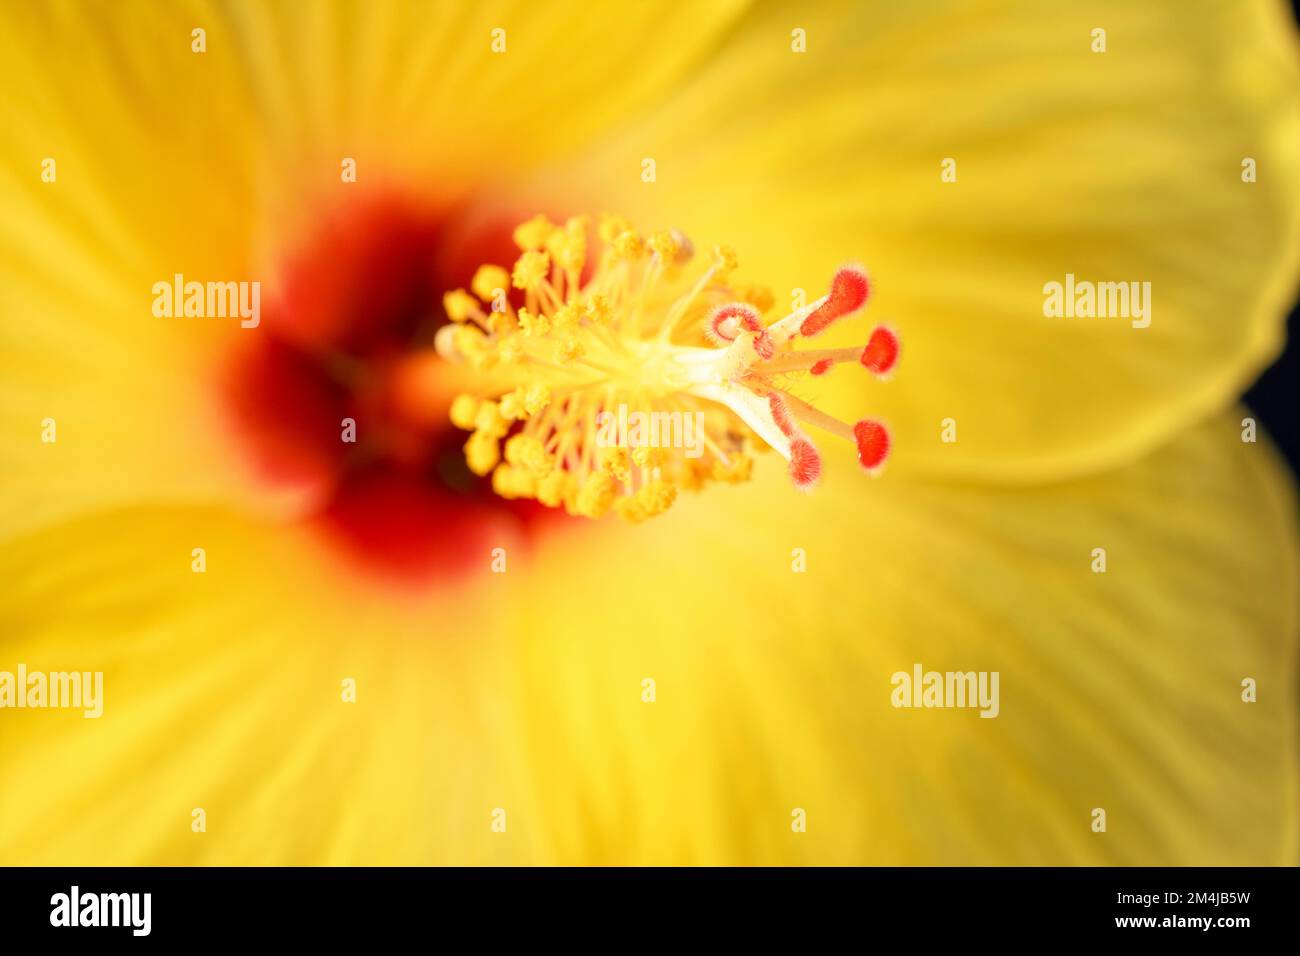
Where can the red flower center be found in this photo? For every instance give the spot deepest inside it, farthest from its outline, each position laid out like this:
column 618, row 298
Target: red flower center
column 340, row 404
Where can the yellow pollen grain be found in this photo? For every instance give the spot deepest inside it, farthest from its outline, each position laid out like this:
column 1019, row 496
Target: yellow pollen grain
column 534, row 324
column 647, row 457
column 665, row 245
column 598, row 309
column 724, row 260
column 489, row 281
column 566, row 318
column 530, row 270
column 464, row 412
column 657, row 496
column 611, row 227
column 459, row 305
column 570, row 349
column 629, row 245
column 512, row 406
column 490, row 421
column 533, row 233
column 482, row 453
column 597, row 495
column 511, row 350
column 536, row 398
column 613, row 459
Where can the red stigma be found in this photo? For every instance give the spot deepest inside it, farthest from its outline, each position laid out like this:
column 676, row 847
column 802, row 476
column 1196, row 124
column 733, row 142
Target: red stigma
column 805, row 464
column 727, row 320
column 780, row 414
column 873, row 443
column 822, row 367
column 849, row 291
column 881, row 353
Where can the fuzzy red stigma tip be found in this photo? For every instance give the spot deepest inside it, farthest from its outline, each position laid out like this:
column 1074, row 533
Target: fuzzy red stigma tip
column 780, row 414
column 881, row 353
column 873, row 443
column 726, row 321
column 822, row 367
column 805, row 464
column 849, row 291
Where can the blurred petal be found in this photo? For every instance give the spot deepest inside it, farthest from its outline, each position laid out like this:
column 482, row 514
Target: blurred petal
column 451, row 92
column 1117, row 166
column 142, row 190
column 456, row 92
column 223, row 692
column 772, row 689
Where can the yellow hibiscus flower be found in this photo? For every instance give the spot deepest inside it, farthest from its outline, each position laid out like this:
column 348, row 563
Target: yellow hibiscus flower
column 316, row 650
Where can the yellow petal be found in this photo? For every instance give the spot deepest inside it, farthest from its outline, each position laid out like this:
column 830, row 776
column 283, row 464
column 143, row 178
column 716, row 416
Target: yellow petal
column 1119, row 691
column 220, row 696
column 125, row 123
column 442, row 96
column 1116, row 166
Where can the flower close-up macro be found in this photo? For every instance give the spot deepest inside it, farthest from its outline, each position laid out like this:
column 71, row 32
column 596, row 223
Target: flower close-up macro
column 720, row 433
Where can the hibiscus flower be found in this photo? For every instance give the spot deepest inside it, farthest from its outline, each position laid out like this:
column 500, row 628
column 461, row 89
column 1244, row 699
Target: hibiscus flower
column 330, row 633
